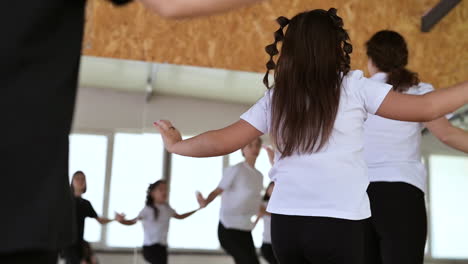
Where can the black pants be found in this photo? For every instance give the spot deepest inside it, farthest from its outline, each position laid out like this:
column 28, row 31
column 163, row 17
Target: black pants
column 317, row 240
column 36, row 257
column 267, row 253
column 239, row 244
column 155, row 254
column 397, row 230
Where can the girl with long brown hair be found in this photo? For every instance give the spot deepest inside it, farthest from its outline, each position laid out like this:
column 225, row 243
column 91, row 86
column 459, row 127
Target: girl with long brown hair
column 315, row 114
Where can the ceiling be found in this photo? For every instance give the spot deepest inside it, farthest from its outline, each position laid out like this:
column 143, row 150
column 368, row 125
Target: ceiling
column 168, row 79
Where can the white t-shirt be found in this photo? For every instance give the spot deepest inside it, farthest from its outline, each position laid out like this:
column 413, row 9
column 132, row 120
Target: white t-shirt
column 333, row 181
column 241, row 198
column 266, row 227
column 155, row 230
column 392, row 148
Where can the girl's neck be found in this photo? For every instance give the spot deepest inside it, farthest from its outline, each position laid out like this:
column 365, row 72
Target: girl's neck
column 251, row 161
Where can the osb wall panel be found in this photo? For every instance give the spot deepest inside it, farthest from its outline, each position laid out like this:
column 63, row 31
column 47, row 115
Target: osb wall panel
column 236, row 40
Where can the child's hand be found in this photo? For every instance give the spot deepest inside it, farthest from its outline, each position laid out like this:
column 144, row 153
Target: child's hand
column 271, row 153
column 119, row 217
column 169, row 134
column 201, row 200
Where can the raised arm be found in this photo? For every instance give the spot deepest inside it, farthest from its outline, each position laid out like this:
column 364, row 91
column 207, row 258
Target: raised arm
column 209, row 144
column 193, row 8
column 205, row 202
column 450, row 135
column 271, row 154
column 424, row 108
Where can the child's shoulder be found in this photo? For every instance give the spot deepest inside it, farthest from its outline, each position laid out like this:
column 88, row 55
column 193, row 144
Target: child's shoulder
column 234, row 168
column 353, row 76
column 353, row 80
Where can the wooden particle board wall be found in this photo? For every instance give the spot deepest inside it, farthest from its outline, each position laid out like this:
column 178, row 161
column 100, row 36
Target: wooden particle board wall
column 236, row 40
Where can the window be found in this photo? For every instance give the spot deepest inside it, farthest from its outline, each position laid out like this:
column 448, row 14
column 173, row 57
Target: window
column 137, row 162
column 189, row 175
column 264, row 166
column 88, row 154
column 449, row 185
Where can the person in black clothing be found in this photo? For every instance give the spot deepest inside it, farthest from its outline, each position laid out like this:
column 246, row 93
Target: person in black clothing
column 83, row 209
column 40, row 57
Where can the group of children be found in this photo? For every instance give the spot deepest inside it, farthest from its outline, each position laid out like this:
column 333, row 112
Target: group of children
column 333, row 130
column 240, row 189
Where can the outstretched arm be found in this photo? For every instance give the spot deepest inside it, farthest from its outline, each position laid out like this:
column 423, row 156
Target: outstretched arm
column 209, row 144
column 205, row 202
column 193, row 8
column 103, row 220
column 121, row 219
column 424, row 108
column 183, row 216
column 450, row 135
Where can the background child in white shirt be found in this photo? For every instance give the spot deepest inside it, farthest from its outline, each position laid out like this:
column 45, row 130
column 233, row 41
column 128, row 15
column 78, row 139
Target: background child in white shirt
column 240, row 190
column 398, row 226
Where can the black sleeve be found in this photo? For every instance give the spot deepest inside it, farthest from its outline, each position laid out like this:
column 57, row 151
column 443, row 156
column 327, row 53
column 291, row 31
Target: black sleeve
column 90, row 212
column 120, row 2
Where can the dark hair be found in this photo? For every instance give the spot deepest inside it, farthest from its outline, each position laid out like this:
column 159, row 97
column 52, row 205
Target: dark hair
column 149, row 200
column 266, row 196
column 73, row 178
column 389, row 53
column 308, row 75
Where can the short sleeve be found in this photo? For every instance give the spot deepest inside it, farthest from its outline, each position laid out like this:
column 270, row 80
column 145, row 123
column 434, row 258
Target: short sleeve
column 228, row 177
column 90, row 212
column 143, row 213
column 370, row 93
column 258, row 114
column 424, row 88
column 171, row 210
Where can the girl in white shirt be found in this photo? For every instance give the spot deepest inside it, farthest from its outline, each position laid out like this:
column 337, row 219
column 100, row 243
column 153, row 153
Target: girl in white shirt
column 398, row 227
column 155, row 217
column 240, row 190
column 315, row 115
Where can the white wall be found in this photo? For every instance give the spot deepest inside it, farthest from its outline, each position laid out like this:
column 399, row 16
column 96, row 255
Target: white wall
column 109, row 110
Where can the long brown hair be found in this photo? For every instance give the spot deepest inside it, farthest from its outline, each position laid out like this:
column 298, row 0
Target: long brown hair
column 389, row 53
column 314, row 59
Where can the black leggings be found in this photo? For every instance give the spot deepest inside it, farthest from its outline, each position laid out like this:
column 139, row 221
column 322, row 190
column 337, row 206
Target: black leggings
column 267, row 253
column 239, row 244
column 317, row 240
column 396, row 233
column 36, row 257
column 155, row 254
